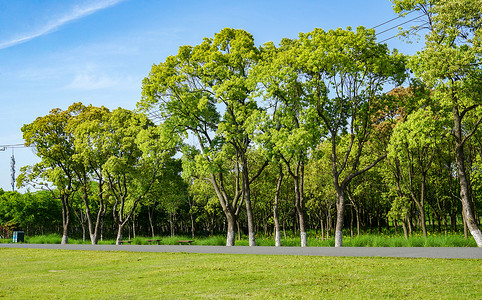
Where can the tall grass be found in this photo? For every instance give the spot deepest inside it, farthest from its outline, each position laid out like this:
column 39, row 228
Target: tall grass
column 364, row 240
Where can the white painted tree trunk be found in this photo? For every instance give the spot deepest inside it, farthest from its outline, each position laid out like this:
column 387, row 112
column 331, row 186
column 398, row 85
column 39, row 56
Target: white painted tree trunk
column 119, row 235
column 252, row 239
column 65, row 239
column 338, row 238
column 304, row 240
column 230, row 239
column 277, row 238
column 476, row 233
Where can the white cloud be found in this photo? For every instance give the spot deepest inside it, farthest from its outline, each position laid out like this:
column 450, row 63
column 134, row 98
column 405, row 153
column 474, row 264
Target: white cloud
column 76, row 13
column 88, row 81
column 94, row 77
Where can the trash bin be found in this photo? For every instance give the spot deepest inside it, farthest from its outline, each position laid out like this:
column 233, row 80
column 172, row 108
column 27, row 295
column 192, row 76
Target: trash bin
column 18, row 236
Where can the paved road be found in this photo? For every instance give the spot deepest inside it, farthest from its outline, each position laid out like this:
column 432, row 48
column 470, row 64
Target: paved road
column 414, row 252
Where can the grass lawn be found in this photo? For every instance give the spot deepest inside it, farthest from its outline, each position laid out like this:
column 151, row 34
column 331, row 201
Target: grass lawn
column 50, row 274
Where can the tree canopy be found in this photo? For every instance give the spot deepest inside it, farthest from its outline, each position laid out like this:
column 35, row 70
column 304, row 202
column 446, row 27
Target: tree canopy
column 327, row 132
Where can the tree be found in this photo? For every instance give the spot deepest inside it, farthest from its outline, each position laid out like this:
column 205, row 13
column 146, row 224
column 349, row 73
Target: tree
column 90, row 156
column 291, row 131
column 319, row 187
column 169, row 190
column 188, row 90
column 136, row 150
column 54, row 146
column 341, row 73
column 413, row 147
column 35, row 213
column 450, row 64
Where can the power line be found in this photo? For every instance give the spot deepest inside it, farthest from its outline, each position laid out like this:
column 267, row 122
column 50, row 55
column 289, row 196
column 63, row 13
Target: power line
column 393, row 27
column 396, row 26
column 13, row 146
column 393, row 19
column 397, row 35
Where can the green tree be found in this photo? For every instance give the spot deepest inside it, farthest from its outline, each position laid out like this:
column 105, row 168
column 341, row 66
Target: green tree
column 291, row 131
column 169, row 191
column 136, row 150
column 413, row 147
column 54, row 146
column 90, row 156
column 341, row 73
column 319, row 187
column 189, row 89
column 450, row 64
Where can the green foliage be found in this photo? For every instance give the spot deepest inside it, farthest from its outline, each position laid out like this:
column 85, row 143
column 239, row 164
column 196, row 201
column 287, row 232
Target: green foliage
column 450, row 64
column 37, row 212
column 317, row 103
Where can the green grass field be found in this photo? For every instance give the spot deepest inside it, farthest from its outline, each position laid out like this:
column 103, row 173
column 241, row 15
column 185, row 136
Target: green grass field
column 52, row 274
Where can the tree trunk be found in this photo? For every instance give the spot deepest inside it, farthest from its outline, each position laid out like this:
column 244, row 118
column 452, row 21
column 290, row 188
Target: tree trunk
column 463, row 181
column 239, row 229
column 277, row 232
column 90, row 225
column 298, row 179
column 322, row 228
column 119, row 234
column 351, row 222
column 133, row 226
column 409, row 222
column 100, row 216
column 193, row 228
column 230, row 234
column 466, row 235
column 277, row 237
column 171, row 223
column 249, row 210
column 65, row 218
column 422, row 219
column 150, row 213
column 405, row 233
column 299, row 209
column 340, row 212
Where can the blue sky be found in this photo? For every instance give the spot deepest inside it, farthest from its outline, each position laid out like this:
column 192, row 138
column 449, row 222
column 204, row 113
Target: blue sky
column 54, row 52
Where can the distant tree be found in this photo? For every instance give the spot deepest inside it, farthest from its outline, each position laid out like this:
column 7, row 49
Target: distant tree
column 169, row 191
column 136, row 151
column 413, row 147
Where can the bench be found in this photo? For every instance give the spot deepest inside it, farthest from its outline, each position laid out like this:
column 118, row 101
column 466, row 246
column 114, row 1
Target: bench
column 122, row 242
column 185, row 242
column 152, row 241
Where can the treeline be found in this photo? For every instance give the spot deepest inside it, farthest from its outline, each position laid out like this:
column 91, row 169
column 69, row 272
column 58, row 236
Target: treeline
column 196, row 211
column 295, row 136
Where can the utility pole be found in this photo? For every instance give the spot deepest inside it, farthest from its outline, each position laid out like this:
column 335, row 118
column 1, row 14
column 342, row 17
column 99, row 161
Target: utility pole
column 12, row 165
column 12, row 161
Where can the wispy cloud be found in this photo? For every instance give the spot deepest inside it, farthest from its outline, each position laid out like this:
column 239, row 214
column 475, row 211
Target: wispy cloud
column 88, row 81
column 76, row 13
column 95, row 77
